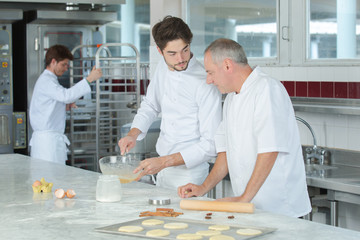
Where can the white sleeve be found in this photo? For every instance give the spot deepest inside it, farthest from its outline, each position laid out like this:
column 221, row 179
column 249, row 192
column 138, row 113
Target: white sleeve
column 149, row 109
column 65, row 95
column 220, row 140
column 209, row 101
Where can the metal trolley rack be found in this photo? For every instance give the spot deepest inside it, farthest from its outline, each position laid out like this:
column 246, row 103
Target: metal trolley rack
column 95, row 126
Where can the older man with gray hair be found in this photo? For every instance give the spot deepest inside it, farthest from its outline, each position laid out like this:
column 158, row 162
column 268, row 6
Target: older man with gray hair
column 258, row 141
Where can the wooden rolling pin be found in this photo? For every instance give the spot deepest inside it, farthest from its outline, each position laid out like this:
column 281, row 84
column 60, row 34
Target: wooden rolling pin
column 217, row 206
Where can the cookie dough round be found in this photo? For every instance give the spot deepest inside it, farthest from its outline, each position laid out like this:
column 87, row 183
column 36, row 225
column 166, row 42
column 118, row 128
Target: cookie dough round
column 157, row 233
column 152, row 222
column 208, row 233
column 130, row 229
column 188, row 236
column 176, row 225
column 221, row 237
column 219, row 227
column 248, row 231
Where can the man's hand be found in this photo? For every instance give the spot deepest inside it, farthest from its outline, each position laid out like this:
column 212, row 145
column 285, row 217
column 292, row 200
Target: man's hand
column 150, row 166
column 126, row 143
column 94, row 75
column 71, row 105
column 191, row 190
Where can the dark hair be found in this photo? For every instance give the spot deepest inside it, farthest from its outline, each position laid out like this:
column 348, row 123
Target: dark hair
column 59, row 53
column 169, row 29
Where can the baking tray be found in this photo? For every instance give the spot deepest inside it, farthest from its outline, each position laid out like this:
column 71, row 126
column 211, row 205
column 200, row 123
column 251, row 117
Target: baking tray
column 194, row 226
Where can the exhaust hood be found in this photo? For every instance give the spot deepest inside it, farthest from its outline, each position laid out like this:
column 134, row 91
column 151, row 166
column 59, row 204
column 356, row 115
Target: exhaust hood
column 72, row 1
column 70, row 17
column 10, row 15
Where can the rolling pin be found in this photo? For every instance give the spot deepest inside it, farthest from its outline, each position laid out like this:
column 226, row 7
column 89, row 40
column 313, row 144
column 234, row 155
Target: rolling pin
column 239, row 207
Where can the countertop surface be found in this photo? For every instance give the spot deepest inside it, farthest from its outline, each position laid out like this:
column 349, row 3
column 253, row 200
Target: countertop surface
column 26, row 215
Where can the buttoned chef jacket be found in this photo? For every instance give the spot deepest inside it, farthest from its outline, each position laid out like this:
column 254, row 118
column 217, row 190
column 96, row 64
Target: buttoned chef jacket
column 191, row 113
column 48, row 116
column 261, row 119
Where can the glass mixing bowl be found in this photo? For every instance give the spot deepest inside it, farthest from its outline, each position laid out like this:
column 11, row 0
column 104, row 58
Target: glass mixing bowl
column 122, row 166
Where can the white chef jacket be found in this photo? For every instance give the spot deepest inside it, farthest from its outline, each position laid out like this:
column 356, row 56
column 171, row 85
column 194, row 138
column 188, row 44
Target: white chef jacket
column 191, row 113
column 48, row 116
column 261, row 119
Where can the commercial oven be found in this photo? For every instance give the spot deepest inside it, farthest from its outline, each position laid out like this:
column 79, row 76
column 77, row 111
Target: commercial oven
column 12, row 124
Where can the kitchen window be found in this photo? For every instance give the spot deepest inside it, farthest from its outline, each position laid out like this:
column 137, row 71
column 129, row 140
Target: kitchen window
column 252, row 23
column 333, row 29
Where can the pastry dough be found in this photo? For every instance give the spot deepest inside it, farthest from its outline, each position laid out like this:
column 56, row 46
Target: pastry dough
column 219, row 227
column 221, row 237
column 248, row 231
column 188, row 236
column 130, row 229
column 157, row 233
column 152, row 222
column 208, row 233
column 176, row 225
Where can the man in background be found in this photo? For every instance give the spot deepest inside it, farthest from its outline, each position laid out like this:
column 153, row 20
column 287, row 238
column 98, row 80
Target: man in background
column 49, row 104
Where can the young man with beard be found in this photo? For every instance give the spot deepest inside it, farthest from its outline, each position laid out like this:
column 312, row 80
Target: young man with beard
column 190, row 111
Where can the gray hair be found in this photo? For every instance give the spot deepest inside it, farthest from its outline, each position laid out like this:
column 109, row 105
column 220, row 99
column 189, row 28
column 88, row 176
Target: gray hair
column 223, row 48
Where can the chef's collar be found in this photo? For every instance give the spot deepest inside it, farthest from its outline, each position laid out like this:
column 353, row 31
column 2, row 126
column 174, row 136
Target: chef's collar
column 250, row 79
column 50, row 72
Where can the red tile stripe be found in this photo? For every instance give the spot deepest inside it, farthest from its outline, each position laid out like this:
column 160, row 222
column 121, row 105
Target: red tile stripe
column 323, row 89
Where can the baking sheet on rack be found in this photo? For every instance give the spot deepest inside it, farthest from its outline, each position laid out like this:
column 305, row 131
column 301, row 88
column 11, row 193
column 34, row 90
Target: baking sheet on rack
column 193, row 227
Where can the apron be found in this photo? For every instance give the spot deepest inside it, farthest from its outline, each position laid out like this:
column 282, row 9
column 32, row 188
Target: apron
column 49, row 146
column 174, row 177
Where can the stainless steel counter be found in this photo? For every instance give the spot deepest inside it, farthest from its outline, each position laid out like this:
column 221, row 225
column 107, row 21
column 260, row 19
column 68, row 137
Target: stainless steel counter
column 26, row 215
column 342, row 183
column 340, row 178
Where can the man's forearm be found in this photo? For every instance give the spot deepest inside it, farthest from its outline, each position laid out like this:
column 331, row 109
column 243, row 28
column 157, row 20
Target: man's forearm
column 263, row 166
column 217, row 173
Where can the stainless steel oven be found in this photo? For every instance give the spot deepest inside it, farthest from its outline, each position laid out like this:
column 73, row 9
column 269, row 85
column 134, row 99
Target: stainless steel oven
column 12, row 125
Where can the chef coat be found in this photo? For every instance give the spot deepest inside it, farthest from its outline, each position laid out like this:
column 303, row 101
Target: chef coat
column 261, row 119
column 191, row 113
column 48, row 116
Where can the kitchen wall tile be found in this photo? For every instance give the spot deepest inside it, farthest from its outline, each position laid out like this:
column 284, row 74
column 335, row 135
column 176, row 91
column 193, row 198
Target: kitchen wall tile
column 300, row 73
column 327, row 89
column 313, row 74
column 354, row 90
column 353, row 138
column 340, row 137
column 327, row 73
column 354, row 121
column 314, row 89
column 301, row 89
column 341, row 89
column 290, row 87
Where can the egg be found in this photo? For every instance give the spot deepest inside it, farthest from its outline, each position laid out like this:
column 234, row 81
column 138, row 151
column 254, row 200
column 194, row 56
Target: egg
column 37, row 183
column 59, row 193
column 70, row 193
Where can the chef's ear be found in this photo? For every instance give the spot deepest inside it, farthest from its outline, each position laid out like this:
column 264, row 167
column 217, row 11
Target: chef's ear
column 227, row 64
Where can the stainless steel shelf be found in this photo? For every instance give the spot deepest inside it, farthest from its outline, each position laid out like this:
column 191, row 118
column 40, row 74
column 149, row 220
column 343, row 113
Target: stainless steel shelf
column 327, row 105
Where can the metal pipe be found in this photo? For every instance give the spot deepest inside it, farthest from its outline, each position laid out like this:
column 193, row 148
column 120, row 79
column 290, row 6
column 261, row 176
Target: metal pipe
column 310, row 128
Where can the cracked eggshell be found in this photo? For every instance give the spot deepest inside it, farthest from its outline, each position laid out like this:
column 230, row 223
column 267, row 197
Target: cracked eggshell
column 59, row 193
column 70, row 193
